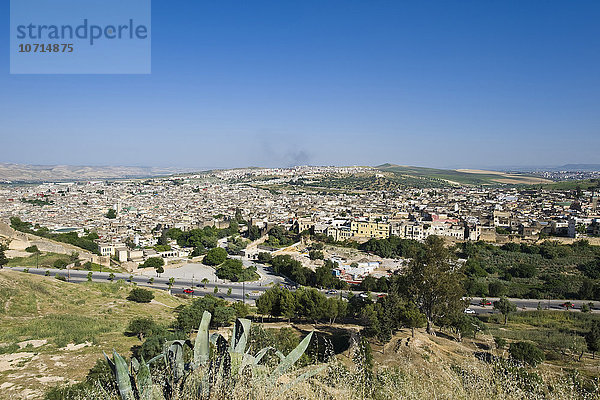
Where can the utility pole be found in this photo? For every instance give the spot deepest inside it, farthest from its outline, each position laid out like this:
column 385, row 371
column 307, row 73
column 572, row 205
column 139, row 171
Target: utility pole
column 244, row 291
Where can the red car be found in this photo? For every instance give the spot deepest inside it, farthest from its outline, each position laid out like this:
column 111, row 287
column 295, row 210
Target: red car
column 566, row 304
column 188, row 291
column 485, row 303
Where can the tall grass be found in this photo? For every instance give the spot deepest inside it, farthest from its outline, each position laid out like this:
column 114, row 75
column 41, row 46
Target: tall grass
column 472, row 380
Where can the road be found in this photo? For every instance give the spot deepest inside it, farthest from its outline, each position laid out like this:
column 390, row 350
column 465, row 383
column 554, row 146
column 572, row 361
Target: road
column 532, row 304
column 251, row 290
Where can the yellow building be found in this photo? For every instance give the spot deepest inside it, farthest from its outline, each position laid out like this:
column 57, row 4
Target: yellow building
column 367, row 229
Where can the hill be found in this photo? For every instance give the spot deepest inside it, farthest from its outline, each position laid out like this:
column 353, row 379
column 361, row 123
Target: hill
column 24, row 173
column 54, row 332
column 463, row 177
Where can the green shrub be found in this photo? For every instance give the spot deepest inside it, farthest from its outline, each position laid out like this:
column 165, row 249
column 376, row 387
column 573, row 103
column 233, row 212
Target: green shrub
column 500, row 342
column 526, row 352
column 140, row 295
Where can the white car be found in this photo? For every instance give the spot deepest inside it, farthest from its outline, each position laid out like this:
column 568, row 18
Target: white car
column 469, row 311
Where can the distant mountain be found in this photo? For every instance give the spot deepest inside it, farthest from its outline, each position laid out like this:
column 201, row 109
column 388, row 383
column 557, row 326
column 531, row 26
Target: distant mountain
column 42, row 173
column 578, row 167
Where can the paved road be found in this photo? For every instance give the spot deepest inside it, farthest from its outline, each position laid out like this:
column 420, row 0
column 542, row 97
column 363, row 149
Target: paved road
column 532, row 304
column 251, row 289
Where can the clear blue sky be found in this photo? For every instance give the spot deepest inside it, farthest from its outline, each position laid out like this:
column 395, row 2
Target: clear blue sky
column 275, row 83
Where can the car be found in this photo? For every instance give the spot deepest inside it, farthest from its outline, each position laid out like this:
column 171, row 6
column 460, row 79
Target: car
column 469, row 311
column 485, row 303
column 567, row 304
column 364, row 295
column 188, row 291
column 381, row 295
column 332, row 291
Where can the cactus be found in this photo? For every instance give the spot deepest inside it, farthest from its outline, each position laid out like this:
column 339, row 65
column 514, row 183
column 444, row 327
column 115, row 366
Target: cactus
column 230, row 360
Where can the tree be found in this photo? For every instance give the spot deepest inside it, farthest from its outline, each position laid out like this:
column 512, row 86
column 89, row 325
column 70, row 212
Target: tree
column 151, row 280
column 141, row 327
column 316, row 255
column 74, row 256
column 526, row 352
column 241, row 309
column 497, row 289
column 592, row 338
column 435, row 283
column 111, row 277
column 159, row 270
column 3, row 258
column 60, row 263
column 189, row 317
column 254, row 232
column 505, row 307
column 32, row 249
column 89, row 276
column 111, row 214
column 215, row 256
column 171, row 282
column 264, row 257
column 238, row 215
column 369, row 284
column 153, row 262
column 140, row 295
column 412, row 318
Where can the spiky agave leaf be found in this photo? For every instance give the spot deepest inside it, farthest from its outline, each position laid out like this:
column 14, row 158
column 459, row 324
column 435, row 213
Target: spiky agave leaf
column 202, row 344
column 123, row 377
column 241, row 334
column 291, row 358
column 259, row 356
column 134, row 365
column 174, row 357
column 144, row 381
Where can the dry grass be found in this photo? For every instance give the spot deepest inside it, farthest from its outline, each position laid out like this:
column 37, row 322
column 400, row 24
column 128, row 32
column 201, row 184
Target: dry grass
column 91, row 318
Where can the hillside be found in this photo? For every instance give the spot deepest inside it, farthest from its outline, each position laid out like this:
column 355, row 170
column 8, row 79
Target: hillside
column 41, row 173
column 463, row 177
column 54, row 331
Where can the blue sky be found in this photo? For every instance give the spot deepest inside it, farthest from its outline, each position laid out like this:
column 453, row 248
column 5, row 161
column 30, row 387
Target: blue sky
column 277, row 83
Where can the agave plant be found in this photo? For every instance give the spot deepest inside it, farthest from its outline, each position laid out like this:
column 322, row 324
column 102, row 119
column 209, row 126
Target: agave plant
column 230, row 362
column 134, row 382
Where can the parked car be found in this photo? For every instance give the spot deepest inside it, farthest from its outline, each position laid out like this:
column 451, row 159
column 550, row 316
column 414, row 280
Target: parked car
column 567, row 304
column 188, row 291
column 469, row 311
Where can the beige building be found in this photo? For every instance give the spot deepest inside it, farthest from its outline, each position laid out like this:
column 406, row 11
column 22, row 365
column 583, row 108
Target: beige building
column 368, row 229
